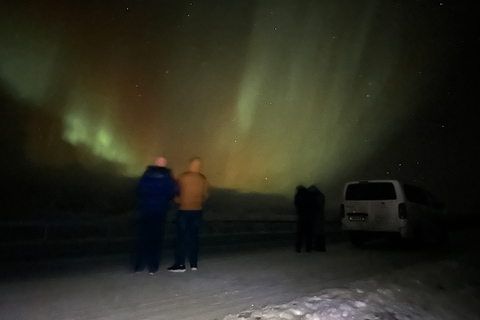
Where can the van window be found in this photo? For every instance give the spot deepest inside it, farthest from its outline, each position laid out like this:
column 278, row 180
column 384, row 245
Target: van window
column 415, row 194
column 371, row 191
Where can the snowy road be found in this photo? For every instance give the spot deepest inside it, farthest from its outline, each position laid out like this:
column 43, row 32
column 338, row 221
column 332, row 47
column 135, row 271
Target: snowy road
column 226, row 283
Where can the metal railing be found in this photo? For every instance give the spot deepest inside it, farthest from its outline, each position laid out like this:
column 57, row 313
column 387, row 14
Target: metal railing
column 30, row 239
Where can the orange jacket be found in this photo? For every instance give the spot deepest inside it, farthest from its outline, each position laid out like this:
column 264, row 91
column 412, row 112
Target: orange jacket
column 193, row 188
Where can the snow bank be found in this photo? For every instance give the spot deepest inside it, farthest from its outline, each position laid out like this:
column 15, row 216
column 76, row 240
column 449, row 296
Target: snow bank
column 447, row 290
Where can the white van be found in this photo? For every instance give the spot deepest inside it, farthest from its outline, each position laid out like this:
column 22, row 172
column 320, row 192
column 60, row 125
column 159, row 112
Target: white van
column 390, row 208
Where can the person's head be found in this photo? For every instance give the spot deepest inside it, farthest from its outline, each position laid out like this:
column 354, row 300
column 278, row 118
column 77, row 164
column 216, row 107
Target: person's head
column 161, row 162
column 301, row 187
column 195, row 164
column 313, row 188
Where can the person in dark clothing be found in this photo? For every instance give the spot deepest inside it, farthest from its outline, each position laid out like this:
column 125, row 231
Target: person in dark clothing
column 318, row 212
column 305, row 219
column 156, row 189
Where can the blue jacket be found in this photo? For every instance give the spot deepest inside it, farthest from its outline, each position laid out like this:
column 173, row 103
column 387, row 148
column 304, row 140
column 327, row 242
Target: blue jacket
column 156, row 188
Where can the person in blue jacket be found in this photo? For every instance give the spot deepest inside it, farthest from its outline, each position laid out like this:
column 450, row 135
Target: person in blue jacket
column 156, row 189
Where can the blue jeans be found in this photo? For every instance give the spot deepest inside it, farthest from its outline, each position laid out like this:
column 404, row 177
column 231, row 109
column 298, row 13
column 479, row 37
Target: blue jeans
column 188, row 228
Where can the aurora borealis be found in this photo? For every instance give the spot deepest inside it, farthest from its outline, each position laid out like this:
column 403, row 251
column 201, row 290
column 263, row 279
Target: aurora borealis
column 269, row 93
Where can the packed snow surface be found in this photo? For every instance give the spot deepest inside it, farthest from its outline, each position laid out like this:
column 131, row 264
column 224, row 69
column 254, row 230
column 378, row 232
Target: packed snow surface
column 433, row 289
column 377, row 281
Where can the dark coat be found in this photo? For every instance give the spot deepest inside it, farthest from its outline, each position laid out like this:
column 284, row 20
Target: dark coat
column 156, row 189
column 318, row 209
column 302, row 201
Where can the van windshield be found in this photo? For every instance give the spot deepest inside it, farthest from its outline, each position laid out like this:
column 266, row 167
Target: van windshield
column 371, row 191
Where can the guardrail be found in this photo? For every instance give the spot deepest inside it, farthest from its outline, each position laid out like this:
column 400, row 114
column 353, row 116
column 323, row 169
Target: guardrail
column 109, row 229
column 33, row 239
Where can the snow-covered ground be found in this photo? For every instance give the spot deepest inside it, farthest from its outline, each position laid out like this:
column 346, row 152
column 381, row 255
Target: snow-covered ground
column 446, row 286
column 378, row 281
column 425, row 291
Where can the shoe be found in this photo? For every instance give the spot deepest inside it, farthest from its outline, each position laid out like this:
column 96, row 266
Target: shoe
column 151, row 273
column 194, row 267
column 177, row 268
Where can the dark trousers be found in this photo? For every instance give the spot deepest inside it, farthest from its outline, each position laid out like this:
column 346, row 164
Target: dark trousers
column 305, row 233
column 149, row 241
column 188, row 228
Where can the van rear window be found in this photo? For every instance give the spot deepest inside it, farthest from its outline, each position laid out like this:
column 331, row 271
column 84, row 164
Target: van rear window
column 371, row 191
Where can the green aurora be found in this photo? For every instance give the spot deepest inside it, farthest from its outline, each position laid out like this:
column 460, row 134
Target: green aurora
column 271, row 94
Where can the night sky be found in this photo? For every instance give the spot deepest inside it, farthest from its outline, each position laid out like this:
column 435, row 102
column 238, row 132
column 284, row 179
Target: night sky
column 271, row 94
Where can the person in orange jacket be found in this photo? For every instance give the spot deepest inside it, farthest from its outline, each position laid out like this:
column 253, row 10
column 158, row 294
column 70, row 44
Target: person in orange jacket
column 193, row 192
